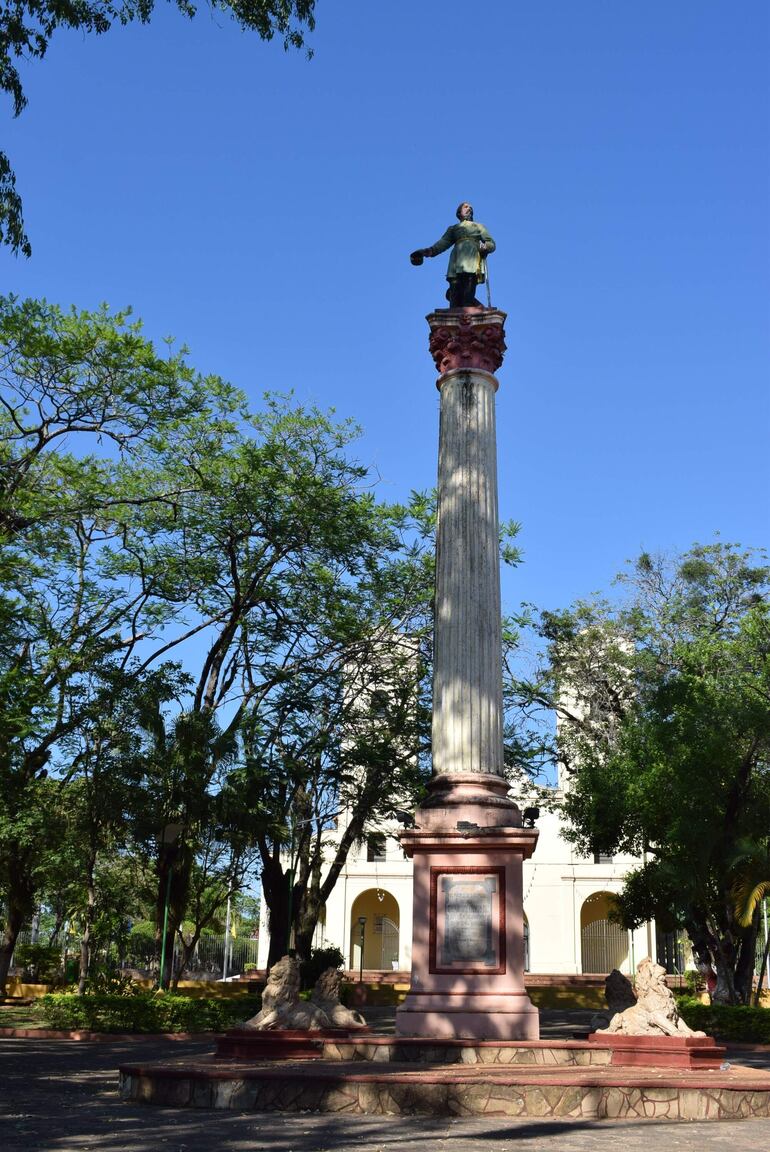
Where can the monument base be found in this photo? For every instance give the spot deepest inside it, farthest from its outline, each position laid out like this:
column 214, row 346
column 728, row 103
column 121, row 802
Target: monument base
column 661, row 1051
column 447, row 1017
column 467, row 981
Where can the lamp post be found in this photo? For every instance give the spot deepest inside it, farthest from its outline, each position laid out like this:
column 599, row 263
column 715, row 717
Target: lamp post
column 170, row 836
column 225, row 959
column 362, row 926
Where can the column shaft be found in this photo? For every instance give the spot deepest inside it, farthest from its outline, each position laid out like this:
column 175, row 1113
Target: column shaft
column 467, row 679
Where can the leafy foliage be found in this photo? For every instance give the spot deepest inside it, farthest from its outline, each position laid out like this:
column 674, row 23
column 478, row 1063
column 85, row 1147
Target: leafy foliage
column 142, row 508
column 38, row 962
column 665, row 739
column 736, row 1023
column 319, row 960
column 144, row 1012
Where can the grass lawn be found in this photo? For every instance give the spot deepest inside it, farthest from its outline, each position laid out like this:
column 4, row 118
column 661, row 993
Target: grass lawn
column 19, row 1016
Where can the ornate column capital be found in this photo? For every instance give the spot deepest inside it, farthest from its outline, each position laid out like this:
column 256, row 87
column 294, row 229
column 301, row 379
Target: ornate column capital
column 467, row 338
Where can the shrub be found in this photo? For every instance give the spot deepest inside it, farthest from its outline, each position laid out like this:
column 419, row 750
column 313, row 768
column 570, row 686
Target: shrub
column 320, row 960
column 39, row 962
column 111, row 983
column 695, row 982
column 737, row 1023
column 144, row 1012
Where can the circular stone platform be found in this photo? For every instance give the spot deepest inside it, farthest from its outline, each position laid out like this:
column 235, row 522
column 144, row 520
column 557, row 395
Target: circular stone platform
column 534, row 1080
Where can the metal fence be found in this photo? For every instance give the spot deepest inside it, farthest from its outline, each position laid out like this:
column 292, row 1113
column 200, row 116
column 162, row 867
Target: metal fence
column 140, row 952
column 208, row 957
column 603, row 946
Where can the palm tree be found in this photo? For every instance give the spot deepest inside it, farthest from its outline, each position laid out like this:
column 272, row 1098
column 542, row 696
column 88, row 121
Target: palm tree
column 751, row 885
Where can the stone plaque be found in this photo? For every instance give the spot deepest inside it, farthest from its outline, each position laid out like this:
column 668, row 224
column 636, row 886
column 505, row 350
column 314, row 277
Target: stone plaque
column 467, row 920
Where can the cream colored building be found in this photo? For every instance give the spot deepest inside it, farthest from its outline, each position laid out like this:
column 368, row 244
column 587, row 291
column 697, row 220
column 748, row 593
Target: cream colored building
column 566, row 900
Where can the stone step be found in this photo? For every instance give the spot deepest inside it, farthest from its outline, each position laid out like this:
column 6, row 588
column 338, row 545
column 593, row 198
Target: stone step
column 595, row 1092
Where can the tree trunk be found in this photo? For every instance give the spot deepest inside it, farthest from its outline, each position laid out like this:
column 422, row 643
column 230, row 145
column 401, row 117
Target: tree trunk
column 724, row 961
column 20, row 903
column 762, row 971
column 317, row 893
column 307, row 922
column 278, row 927
column 85, row 958
column 58, row 924
column 186, row 952
column 744, row 969
column 164, row 916
column 275, row 889
column 88, row 927
column 13, row 925
column 174, row 867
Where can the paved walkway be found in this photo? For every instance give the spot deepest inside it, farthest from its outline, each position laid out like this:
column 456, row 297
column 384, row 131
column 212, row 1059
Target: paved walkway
column 60, row 1096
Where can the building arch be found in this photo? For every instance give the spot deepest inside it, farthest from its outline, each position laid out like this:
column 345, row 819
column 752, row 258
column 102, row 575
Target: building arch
column 603, row 944
column 381, row 930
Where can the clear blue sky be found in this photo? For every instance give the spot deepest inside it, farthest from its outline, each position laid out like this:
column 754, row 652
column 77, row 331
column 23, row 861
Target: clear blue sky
column 261, row 208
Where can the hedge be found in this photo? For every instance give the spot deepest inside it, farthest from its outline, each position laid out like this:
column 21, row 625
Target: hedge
column 737, row 1023
column 143, row 1012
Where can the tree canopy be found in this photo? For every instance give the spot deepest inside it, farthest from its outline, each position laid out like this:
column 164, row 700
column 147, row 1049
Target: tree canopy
column 145, row 513
column 27, row 27
column 664, row 734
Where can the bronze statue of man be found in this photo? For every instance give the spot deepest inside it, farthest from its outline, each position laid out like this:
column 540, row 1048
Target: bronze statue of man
column 471, row 244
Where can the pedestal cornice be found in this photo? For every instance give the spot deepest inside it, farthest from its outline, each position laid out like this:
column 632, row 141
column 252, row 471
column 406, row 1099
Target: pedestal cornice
column 467, row 338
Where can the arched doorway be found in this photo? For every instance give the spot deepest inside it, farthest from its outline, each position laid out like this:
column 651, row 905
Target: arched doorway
column 603, row 945
column 380, row 930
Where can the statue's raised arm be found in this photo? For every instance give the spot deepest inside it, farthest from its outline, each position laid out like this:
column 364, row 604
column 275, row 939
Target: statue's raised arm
column 471, row 243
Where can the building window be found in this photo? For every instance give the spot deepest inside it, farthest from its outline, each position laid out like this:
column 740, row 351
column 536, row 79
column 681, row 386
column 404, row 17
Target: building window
column 379, row 702
column 602, row 858
column 375, row 847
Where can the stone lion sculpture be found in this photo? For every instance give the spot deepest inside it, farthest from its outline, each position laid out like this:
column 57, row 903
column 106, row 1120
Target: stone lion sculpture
column 282, row 1007
column 654, row 1012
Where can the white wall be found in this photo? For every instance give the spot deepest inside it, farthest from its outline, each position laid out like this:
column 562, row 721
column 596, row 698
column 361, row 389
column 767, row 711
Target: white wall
column 556, row 884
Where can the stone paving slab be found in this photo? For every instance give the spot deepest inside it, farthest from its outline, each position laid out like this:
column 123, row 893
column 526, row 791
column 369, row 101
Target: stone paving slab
column 61, row 1097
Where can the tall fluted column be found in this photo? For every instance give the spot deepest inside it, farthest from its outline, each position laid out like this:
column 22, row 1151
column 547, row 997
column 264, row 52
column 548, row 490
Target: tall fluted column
column 467, row 673
column 468, row 842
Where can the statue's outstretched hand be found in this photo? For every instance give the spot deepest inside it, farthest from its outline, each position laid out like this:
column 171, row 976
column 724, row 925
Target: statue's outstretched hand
column 417, row 256
column 484, row 249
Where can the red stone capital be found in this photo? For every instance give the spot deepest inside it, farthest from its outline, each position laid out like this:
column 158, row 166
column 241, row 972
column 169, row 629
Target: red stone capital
column 467, row 338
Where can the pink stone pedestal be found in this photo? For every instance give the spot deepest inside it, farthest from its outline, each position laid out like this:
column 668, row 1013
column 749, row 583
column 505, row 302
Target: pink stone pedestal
column 661, row 1051
column 468, row 847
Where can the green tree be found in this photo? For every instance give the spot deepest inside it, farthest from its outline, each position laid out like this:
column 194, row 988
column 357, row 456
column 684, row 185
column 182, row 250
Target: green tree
column 272, row 553
column 27, row 27
column 255, row 535
column 83, row 584
column 89, row 411
column 99, row 796
column 336, row 719
column 342, row 744
column 751, row 887
column 665, row 734
column 218, row 874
